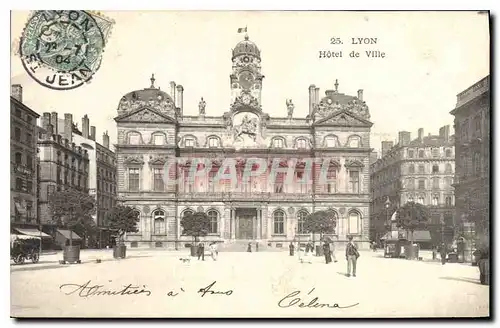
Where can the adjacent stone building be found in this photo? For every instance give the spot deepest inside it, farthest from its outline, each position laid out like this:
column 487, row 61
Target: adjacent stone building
column 152, row 128
column 23, row 162
column 419, row 170
column 472, row 144
column 63, row 165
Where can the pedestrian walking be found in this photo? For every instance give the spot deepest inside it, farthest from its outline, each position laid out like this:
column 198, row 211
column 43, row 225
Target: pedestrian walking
column 332, row 252
column 256, row 247
column 292, row 249
column 442, row 252
column 201, row 251
column 249, row 248
column 351, row 255
column 326, row 252
column 213, row 251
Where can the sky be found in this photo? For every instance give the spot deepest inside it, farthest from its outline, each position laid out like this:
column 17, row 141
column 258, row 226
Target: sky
column 429, row 58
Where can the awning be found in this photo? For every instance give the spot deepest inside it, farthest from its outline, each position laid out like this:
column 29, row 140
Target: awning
column 66, row 234
column 32, row 232
column 14, row 237
column 421, row 235
column 390, row 235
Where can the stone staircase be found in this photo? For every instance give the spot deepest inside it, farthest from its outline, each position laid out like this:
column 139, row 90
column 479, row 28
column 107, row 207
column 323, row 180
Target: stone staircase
column 241, row 245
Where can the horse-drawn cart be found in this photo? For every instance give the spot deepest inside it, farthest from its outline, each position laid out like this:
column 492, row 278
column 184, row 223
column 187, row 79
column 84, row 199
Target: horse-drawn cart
column 24, row 248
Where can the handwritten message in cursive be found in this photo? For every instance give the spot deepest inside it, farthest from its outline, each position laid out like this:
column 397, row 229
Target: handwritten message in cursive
column 89, row 289
column 293, row 300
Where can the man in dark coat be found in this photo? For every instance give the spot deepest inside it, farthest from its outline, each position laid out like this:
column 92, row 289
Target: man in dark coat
column 249, row 248
column 201, row 251
column 292, row 249
column 351, row 255
column 442, row 252
column 326, row 251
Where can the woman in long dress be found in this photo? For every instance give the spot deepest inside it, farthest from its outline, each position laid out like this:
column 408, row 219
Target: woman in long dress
column 213, row 251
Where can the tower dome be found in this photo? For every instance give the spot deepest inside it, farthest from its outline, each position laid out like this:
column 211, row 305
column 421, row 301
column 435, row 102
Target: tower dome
column 246, row 47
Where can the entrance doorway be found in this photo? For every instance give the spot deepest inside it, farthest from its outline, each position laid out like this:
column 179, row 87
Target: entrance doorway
column 245, row 221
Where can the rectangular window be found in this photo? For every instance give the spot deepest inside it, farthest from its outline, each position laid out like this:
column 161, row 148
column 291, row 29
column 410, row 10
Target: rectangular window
column 17, row 134
column 211, row 180
column 421, row 184
column 301, row 186
column 158, row 179
column 421, row 169
column 189, row 142
column 411, row 153
column 435, row 183
column 133, row 179
column 278, row 184
column 353, row 223
column 29, row 209
column 159, row 139
column 213, row 142
column 435, row 152
column 331, row 185
column 354, row 181
column 278, row 143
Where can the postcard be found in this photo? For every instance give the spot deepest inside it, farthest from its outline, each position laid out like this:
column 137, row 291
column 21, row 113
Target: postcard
column 250, row 164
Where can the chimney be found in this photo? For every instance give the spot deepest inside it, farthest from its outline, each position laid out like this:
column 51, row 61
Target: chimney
column 421, row 134
column 68, row 127
column 85, row 126
column 360, row 94
column 316, row 96
column 447, row 133
column 45, row 121
column 16, row 91
column 54, row 122
column 105, row 139
column 180, row 98
column 386, row 146
column 92, row 133
column 311, row 98
column 172, row 91
column 404, row 138
column 50, row 131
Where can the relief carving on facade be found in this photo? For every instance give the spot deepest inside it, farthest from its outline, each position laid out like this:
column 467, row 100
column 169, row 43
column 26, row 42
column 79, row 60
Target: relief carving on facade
column 163, row 105
column 158, row 160
column 145, row 115
column 328, row 107
column 354, row 162
column 146, row 209
column 248, row 126
column 134, row 160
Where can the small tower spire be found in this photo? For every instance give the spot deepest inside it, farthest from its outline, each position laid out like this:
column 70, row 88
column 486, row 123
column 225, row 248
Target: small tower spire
column 336, row 85
column 152, row 80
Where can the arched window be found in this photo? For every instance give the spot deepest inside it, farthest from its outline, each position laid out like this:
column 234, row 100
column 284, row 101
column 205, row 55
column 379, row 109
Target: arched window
column 435, row 200
column 448, row 168
column 301, row 219
column 421, row 200
column 354, row 142
column 189, row 142
column 331, row 141
column 214, row 221
column 435, row 183
column 354, row 222
column 411, row 169
column 159, row 222
column 213, row 142
column 134, row 138
column 278, row 143
column 435, row 168
column 301, row 143
column 158, row 139
column 138, row 215
column 279, row 222
column 19, row 158
column 447, row 201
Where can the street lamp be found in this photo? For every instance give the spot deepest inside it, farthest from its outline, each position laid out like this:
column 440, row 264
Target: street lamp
column 387, row 204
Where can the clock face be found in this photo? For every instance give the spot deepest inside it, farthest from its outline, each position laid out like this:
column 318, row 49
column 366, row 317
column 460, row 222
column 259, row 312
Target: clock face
column 246, row 80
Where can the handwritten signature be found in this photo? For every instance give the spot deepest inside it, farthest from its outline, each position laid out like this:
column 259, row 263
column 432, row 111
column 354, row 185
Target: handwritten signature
column 207, row 290
column 88, row 289
column 292, row 300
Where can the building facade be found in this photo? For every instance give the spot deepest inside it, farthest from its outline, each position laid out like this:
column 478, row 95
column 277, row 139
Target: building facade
column 152, row 130
column 472, row 144
column 23, row 162
column 63, row 165
column 419, row 170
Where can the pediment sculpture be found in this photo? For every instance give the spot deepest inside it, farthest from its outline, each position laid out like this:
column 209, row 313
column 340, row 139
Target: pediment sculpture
column 246, row 100
column 134, row 160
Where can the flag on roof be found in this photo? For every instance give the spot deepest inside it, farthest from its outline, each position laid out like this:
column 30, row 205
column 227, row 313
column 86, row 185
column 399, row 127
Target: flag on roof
column 242, row 29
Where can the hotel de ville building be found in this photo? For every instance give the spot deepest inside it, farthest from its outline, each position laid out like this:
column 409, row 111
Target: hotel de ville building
column 152, row 128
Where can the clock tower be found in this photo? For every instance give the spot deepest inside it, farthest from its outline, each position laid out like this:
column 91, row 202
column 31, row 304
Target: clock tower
column 246, row 78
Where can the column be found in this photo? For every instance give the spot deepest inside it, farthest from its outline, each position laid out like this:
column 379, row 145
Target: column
column 233, row 224
column 259, row 224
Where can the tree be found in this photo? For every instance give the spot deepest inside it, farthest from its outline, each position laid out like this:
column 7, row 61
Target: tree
column 71, row 208
column 123, row 219
column 412, row 216
column 322, row 222
column 195, row 225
